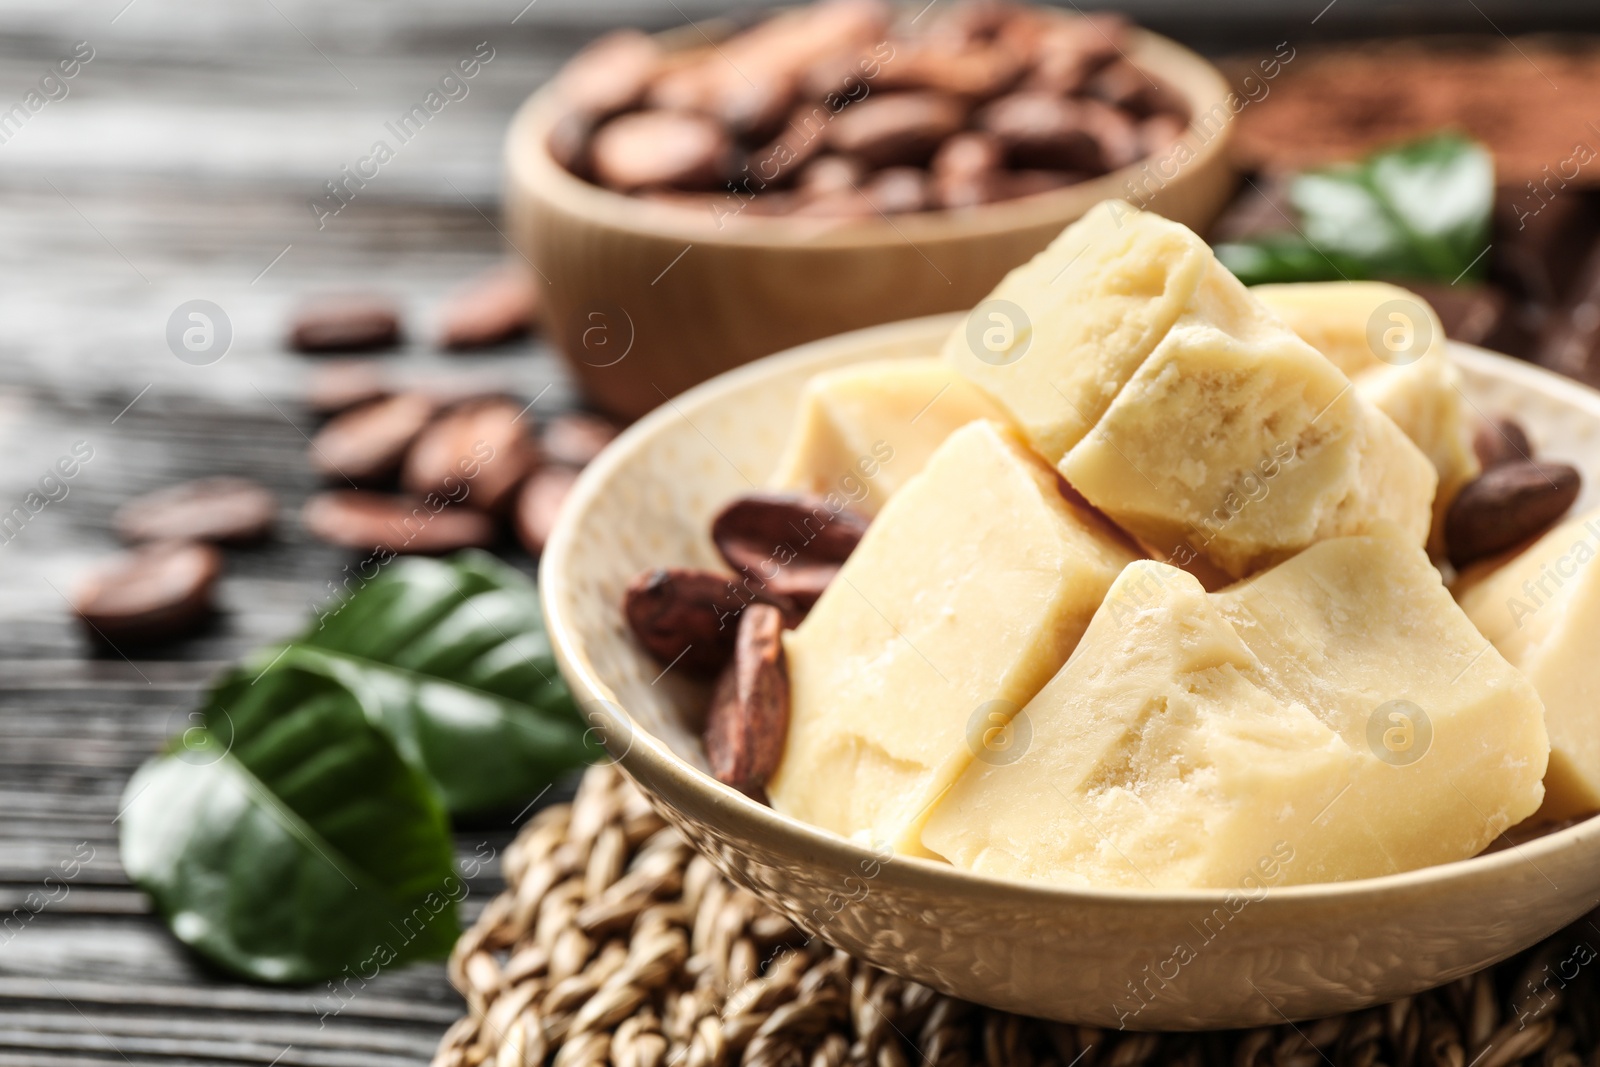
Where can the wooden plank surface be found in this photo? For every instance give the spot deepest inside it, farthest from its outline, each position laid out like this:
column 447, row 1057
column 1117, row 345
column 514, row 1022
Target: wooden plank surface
column 180, row 165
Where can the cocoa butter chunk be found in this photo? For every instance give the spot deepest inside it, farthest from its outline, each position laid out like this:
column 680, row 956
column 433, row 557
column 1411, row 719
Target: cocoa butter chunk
column 685, row 618
column 345, row 324
column 1501, row 440
column 221, row 510
column 154, row 593
column 794, row 543
column 475, row 454
column 367, row 443
column 897, row 129
column 749, row 719
column 609, row 75
column 539, row 504
column 1506, row 505
column 497, row 306
column 661, row 149
column 396, row 524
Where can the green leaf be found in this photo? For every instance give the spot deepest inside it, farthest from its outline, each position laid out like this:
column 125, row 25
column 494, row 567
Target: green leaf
column 302, row 829
column 1419, row 210
column 451, row 659
column 286, row 844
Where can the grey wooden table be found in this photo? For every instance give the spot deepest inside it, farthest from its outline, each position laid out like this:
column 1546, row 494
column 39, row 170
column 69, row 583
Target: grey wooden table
column 179, row 163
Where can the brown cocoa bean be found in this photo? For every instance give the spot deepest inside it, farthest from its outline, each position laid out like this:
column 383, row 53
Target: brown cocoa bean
column 749, row 718
column 367, row 443
column 896, row 129
column 575, row 439
column 474, row 454
column 345, row 324
column 1501, row 441
column 153, row 593
column 897, row 190
column 793, row 543
column 400, row 525
column 685, row 617
column 539, row 504
column 661, row 149
column 339, row 385
column 1040, row 130
column 496, row 306
column 609, row 75
column 1506, row 505
column 229, row 511
column 977, row 73
column 1067, row 52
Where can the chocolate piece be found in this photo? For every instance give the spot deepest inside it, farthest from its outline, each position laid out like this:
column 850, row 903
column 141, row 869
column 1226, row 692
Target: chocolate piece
column 226, row 511
column 345, row 324
column 153, row 593
column 400, row 525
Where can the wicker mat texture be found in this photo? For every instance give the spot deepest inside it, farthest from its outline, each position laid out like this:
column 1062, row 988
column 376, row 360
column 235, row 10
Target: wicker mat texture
column 616, row 944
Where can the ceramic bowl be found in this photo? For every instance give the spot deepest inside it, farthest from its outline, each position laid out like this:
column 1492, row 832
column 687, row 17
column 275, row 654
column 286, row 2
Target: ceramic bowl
column 646, row 300
column 1115, row 957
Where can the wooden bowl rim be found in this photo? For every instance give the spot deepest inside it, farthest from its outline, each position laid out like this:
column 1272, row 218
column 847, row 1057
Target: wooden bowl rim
column 531, row 168
column 649, row 761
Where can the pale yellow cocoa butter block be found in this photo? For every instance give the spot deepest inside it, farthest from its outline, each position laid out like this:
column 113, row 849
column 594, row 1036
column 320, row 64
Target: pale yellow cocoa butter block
column 1192, row 736
column 967, row 593
column 863, row 431
column 1541, row 609
column 1239, row 442
column 1391, row 344
column 1060, row 335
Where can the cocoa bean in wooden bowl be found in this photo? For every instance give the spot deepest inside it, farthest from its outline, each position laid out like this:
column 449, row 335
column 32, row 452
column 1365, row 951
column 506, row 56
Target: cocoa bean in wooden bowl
column 637, row 526
column 696, row 205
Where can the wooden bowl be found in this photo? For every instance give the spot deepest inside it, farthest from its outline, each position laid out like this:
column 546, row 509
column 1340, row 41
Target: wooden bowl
column 647, row 299
column 1100, row 957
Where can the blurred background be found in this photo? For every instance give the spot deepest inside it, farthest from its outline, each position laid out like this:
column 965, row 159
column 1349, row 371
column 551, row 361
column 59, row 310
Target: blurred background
column 181, row 162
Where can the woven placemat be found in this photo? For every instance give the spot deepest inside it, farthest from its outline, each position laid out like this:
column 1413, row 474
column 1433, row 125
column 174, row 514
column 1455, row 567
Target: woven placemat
column 616, row 943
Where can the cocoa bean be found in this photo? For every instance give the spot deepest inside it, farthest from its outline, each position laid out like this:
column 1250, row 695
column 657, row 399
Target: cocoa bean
column 539, row 504
column 1506, row 505
column 345, row 324
column 401, row 525
column 153, row 593
column 476, row 454
column 228, row 511
column 494, row 307
column 661, row 149
column 794, row 544
column 1501, row 441
column 749, row 718
column 367, row 443
column 897, row 129
column 688, row 618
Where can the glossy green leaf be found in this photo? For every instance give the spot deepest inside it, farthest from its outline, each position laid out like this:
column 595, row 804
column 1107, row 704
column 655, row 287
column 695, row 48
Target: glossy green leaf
column 1419, row 210
column 302, row 828
column 286, row 844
